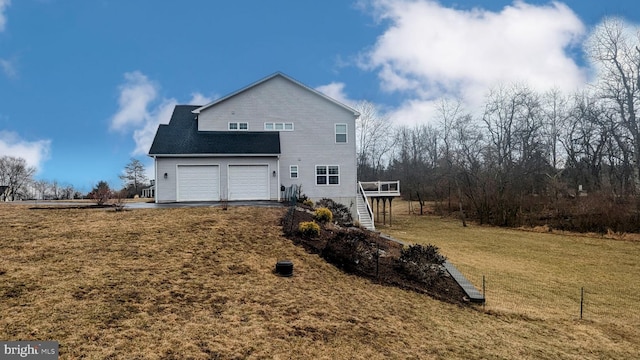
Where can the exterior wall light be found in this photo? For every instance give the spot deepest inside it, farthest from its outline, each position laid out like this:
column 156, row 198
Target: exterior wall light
column 166, row 175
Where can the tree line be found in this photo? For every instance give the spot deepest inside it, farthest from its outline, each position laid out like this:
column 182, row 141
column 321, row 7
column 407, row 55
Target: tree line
column 17, row 182
column 528, row 157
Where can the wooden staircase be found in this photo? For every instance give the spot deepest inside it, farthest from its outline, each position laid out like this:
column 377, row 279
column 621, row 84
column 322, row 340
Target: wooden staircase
column 364, row 213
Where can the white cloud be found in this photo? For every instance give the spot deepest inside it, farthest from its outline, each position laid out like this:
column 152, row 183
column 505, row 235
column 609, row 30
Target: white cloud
column 35, row 153
column 140, row 110
column 135, row 95
column 429, row 50
column 159, row 115
column 8, row 68
column 4, row 4
column 335, row 90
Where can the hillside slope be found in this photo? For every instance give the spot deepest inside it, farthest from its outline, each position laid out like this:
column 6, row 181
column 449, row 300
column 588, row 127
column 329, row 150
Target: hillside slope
column 198, row 284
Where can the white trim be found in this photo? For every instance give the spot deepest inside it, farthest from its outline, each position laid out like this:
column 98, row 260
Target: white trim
column 155, row 171
column 214, row 155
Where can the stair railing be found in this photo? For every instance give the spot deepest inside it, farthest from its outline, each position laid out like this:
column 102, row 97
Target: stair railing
column 366, row 202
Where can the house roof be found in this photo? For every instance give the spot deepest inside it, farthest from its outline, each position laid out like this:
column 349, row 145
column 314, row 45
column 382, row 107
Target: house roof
column 181, row 137
column 274, row 75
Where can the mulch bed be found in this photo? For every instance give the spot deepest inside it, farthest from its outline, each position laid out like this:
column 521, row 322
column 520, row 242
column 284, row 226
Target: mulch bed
column 355, row 251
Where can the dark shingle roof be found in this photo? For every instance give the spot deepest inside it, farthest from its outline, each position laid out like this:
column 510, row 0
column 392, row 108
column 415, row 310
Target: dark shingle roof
column 181, row 136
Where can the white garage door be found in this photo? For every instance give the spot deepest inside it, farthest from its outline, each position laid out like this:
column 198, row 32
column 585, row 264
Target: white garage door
column 198, row 183
column 248, row 182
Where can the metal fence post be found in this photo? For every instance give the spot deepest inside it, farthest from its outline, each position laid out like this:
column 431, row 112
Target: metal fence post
column 581, row 301
column 484, row 294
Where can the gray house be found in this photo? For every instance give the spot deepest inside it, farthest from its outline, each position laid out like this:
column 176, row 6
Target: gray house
column 247, row 145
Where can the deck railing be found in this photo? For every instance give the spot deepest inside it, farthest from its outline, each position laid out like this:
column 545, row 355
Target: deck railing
column 381, row 188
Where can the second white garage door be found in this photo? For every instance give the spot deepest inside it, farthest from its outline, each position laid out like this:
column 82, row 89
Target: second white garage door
column 198, row 183
column 248, row 182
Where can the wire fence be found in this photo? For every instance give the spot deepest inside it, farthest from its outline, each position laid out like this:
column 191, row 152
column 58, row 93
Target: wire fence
column 558, row 300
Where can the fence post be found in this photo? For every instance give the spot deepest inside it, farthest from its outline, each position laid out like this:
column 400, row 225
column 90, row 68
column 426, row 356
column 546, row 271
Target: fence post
column 581, row 301
column 484, row 295
column 377, row 259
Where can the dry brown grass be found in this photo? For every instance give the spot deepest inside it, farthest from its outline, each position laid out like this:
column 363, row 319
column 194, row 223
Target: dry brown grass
column 198, row 284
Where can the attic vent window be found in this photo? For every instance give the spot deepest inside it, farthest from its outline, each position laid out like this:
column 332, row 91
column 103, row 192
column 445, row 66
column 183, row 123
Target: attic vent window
column 238, row 126
column 287, row 126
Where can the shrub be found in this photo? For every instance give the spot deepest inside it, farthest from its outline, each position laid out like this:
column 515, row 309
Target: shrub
column 341, row 213
column 422, row 263
column 351, row 251
column 323, row 215
column 309, row 228
column 422, row 254
column 308, row 202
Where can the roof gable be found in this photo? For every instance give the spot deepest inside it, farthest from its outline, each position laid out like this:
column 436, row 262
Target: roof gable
column 268, row 78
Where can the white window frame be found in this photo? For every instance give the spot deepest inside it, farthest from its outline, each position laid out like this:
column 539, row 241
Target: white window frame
column 278, row 126
column 238, row 126
column 294, row 172
column 328, row 175
column 345, row 133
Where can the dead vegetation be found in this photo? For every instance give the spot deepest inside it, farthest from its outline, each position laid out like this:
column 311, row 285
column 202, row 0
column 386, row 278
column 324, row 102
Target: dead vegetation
column 198, row 283
column 372, row 256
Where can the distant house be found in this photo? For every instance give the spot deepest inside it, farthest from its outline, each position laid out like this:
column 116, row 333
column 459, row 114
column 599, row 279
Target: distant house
column 251, row 144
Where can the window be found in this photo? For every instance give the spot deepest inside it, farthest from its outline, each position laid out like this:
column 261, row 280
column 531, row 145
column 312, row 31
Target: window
column 269, row 126
column 327, row 175
column 341, row 133
column 293, row 171
column 238, row 126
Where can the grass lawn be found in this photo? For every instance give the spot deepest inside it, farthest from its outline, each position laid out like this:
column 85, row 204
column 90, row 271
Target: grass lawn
column 197, row 283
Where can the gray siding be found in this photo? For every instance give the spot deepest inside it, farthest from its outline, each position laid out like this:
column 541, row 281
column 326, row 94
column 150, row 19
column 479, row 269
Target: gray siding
column 311, row 143
column 166, row 188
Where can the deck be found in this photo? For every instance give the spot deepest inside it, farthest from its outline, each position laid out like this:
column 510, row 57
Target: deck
column 381, row 188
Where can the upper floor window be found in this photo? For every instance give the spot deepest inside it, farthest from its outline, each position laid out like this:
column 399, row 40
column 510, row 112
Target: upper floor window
column 238, row 126
column 269, row 126
column 293, row 171
column 341, row 133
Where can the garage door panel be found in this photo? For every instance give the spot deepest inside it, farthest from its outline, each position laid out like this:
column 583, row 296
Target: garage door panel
column 198, row 183
column 249, row 182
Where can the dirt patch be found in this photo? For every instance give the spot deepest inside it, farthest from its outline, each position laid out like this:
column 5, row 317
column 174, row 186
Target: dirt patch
column 369, row 255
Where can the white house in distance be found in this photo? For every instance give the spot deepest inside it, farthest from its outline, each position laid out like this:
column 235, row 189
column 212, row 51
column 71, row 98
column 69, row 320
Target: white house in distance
column 247, row 145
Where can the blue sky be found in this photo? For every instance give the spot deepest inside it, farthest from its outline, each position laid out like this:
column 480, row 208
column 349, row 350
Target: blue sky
column 84, row 84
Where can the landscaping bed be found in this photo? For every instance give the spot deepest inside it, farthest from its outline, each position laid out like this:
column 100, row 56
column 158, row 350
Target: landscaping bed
column 367, row 254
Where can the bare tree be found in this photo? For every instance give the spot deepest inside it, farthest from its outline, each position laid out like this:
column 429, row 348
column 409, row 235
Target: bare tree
column 614, row 47
column 15, row 175
column 134, row 177
column 374, row 139
column 41, row 187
